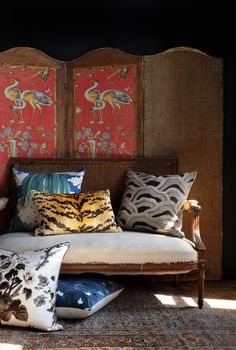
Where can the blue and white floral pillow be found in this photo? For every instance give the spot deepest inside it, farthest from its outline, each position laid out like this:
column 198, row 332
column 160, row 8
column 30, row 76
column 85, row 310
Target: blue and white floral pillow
column 25, row 217
column 28, row 283
column 82, row 296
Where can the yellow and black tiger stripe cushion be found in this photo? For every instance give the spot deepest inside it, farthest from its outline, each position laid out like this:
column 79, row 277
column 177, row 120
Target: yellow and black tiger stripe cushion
column 74, row 213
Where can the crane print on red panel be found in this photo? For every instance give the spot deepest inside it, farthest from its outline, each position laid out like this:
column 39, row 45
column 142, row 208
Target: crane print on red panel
column 27, row 113
column 105, row 100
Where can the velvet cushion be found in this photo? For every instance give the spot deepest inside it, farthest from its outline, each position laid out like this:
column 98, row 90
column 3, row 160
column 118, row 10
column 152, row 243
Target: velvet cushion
column 28, row 284
column 26, row 215
column 74, row 213
column 154, row 203
column 82, row 296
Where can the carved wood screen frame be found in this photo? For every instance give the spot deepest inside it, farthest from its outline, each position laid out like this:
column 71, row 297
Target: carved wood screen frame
column 114, row 81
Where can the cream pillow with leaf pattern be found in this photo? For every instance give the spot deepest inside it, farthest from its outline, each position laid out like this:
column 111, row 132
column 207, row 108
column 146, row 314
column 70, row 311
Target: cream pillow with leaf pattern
column 28, row 283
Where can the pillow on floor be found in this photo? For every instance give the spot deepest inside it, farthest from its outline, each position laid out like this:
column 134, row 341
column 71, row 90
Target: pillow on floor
column 80, row 297
column 154, row 203
column 26, row 215
column 74, row 213
column 28, row 284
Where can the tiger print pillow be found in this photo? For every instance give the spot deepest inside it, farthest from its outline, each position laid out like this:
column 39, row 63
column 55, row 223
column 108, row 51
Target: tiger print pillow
column 74, row 213
column 153, row 203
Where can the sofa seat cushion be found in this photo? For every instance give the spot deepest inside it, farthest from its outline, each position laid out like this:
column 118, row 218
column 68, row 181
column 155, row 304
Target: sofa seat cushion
column 108, row 248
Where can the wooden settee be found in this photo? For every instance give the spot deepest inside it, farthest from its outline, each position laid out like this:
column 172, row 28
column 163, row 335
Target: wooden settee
column 110, row 173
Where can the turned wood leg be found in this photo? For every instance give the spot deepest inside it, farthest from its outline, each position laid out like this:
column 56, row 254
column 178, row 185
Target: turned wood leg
column 201, row 279
column 177, row 280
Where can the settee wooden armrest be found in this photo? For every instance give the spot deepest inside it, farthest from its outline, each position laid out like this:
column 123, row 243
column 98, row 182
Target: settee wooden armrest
column 192, row 206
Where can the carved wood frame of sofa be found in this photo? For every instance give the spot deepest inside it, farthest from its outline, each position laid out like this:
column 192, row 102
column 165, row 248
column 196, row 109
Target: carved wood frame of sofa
column 110, row 173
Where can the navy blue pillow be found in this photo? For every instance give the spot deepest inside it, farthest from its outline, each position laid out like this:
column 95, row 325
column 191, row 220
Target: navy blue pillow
column 81, row 296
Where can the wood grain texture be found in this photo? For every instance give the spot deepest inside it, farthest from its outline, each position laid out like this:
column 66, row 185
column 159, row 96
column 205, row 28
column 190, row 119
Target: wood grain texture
column 183, row 109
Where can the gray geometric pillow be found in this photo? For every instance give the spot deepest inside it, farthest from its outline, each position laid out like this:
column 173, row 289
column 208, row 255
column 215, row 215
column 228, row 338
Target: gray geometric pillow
column 153, row 203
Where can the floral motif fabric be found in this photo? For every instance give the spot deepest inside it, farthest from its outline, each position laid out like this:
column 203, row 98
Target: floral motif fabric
column 28, row 284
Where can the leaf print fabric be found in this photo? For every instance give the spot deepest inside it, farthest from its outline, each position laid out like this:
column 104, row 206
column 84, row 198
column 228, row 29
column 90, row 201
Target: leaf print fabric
column 25, row 217
column 28, row 284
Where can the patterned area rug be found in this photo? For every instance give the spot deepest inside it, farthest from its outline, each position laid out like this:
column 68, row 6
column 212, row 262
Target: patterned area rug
column 146, row 315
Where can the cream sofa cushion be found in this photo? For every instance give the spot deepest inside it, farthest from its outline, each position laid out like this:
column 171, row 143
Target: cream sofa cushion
column 108, row 248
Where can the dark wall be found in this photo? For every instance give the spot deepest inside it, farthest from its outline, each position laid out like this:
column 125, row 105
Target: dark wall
column 67, row 31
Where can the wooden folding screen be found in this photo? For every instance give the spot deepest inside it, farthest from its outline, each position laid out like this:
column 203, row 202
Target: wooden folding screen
column 93, row 107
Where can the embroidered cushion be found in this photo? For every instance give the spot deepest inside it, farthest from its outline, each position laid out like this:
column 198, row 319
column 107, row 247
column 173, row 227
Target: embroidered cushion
column 28, row 284
column 82, row 296
column 26, row 215
column 154, row 203
column 73, row 213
